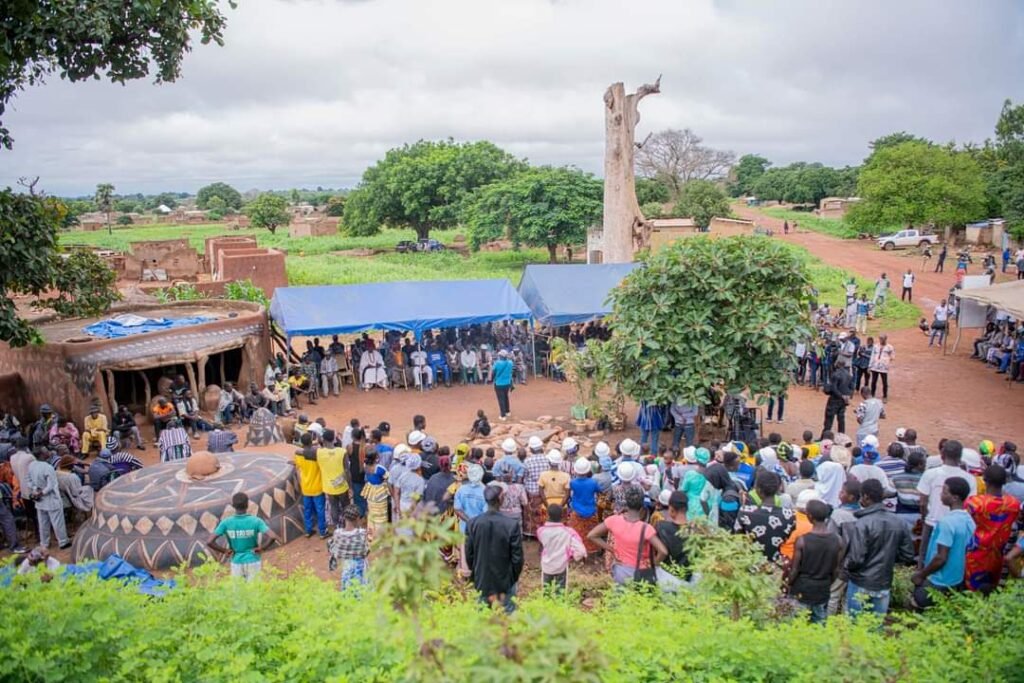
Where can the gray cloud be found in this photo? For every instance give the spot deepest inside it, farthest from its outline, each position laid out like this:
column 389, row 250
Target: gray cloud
column 310, row 93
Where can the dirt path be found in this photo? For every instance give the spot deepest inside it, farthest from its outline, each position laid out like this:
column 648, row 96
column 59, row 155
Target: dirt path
column 939, row 395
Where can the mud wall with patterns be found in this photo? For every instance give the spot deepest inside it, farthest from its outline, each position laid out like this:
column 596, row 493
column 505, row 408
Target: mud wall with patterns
column 157, row 518
column 70, row 375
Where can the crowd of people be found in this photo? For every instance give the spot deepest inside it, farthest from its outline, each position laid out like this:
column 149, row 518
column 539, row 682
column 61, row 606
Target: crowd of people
column 835, row 515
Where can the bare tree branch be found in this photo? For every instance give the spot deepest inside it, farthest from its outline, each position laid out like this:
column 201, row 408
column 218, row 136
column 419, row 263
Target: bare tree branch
column 28, row 184
column 677, row 157
column 639, row 145
column 648, row 89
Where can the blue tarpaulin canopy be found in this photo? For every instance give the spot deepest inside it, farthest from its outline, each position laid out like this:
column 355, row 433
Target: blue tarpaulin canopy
column 405, row 306
column 562, row 294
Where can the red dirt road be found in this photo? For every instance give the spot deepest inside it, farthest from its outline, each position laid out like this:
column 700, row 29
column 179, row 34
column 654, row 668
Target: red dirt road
column 939, row 395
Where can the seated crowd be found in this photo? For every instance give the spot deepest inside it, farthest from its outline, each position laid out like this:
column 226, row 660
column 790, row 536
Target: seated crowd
column 1001, row 346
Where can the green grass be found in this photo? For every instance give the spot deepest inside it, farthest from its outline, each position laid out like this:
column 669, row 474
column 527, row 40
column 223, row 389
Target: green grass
column 830, row 282
column 829, row 226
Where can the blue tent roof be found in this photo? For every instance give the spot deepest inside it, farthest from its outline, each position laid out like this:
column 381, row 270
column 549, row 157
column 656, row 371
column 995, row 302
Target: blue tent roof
column 561, row 294
column 406, row 306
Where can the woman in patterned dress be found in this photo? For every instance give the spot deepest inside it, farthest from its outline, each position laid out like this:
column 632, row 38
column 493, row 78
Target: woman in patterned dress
column 994, row 514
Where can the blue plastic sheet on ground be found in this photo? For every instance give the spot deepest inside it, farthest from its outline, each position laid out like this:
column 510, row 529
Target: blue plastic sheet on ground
column 128, row 325
column 114, row 567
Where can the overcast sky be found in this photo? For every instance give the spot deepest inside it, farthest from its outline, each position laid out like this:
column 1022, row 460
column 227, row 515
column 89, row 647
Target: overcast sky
column 311, row 92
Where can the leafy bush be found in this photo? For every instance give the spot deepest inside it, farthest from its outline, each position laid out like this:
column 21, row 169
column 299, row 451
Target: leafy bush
column 214, row 215
column 300, row 628
column 180, row 292
column 245, row 290
column 124, row 220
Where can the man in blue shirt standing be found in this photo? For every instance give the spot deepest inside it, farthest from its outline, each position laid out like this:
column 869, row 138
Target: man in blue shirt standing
column 946, row 556
column 502, row 374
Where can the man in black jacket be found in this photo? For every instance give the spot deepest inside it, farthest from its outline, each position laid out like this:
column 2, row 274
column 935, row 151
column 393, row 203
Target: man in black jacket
column 878, row 539
column 494, row 552
column 839, row 390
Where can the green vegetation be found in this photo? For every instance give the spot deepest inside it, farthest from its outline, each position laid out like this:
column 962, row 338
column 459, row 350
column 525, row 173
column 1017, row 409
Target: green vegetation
column 300, row 628
column 702, row 200
column 268, row 211
column 827, row 226
column 706, row 313
column 800, row 183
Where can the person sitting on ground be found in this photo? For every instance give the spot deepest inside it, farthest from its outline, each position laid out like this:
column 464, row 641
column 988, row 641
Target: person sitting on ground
column 481, row 426
column 558, row 545
column 96, row 430
column 275, row 401
column 174, row 443
column 254, row 400
column 73, row 493
column 230, row 404
column 178, row 387
column 39, row 559
column 121, row 460
column 300, row 384
column 247, row 535
column 162, row 414
column 188, row 412
column 125, row 427
column 64, row 432
column 221, row 440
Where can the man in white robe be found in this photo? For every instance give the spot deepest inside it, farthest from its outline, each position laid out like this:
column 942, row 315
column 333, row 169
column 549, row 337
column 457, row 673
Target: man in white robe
column 420, row 368
column 371, row 370
column 329, row 375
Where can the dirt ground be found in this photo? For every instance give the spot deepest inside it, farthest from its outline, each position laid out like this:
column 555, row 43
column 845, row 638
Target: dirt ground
column 939, row 394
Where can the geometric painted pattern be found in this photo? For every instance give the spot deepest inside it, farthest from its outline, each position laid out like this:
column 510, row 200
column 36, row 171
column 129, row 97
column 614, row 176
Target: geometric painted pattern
column 154, row 520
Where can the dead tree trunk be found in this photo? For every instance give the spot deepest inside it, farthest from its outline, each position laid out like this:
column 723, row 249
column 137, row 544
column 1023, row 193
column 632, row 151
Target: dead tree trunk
column 625, row 228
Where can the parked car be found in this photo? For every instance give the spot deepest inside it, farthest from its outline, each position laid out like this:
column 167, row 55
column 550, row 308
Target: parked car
column 410, row 246
column 906, row 238
column 405, row 246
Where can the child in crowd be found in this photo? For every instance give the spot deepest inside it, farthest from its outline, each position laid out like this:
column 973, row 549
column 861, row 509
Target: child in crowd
column 481, row 426
column 348, row 548
column 558, row 545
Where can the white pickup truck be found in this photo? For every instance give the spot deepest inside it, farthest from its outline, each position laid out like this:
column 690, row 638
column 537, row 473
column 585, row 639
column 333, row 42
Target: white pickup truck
column 907, row 238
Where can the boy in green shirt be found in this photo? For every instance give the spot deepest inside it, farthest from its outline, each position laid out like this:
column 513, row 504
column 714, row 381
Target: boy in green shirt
column 243, row 532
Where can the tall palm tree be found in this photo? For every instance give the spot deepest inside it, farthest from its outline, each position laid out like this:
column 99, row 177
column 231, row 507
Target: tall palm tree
column 105, row 201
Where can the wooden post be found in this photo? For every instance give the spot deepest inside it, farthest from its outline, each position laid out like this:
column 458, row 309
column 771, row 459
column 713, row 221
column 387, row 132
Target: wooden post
column 111, row 392
column 201, row 366
column 191, row 375
column 223, row 372
column 149, row 392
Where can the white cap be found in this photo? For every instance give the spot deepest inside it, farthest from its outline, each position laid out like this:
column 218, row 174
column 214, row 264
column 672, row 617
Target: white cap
column 870, row 440
column 805, row 497
column 690, row 454
column 972, row 459
column 475, row 473
column 602, row 449
column 414, row 461
column 535, row 443
column 627, row 471
column 509, row 445
column 554, row 456
column 630, row 448
column 581, row 466
column 401, row 450
column 569, row 444
column 664, row 496
column 416, row 437
column 901, row 432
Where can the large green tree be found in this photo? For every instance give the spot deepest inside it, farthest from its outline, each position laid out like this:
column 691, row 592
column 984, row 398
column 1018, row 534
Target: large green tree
column 79, row 284
column 748, row 169
column 268, row 211
column 422, row 186
column 85, row 39
column 918, row 183
column 542, row 207
column 804, row 183
column 709, row 313
column 230, row 196
column 1003, row 165
column 701, row 200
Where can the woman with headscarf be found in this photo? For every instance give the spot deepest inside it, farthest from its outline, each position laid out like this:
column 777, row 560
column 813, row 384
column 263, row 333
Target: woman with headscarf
column 831, row 477
column 174, row 443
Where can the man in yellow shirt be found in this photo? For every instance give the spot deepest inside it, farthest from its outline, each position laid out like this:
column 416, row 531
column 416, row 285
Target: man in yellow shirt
column 554, row 484
column 335, row 479
column 311, row 485
column 96, row 430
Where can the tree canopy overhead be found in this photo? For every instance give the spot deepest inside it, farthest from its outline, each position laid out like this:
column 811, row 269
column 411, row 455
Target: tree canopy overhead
column 542, row 207
column 81, row 40
column 707, row 313
column 81, row 283
column 918, row 183
column 422, row 186
column 675, row 157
